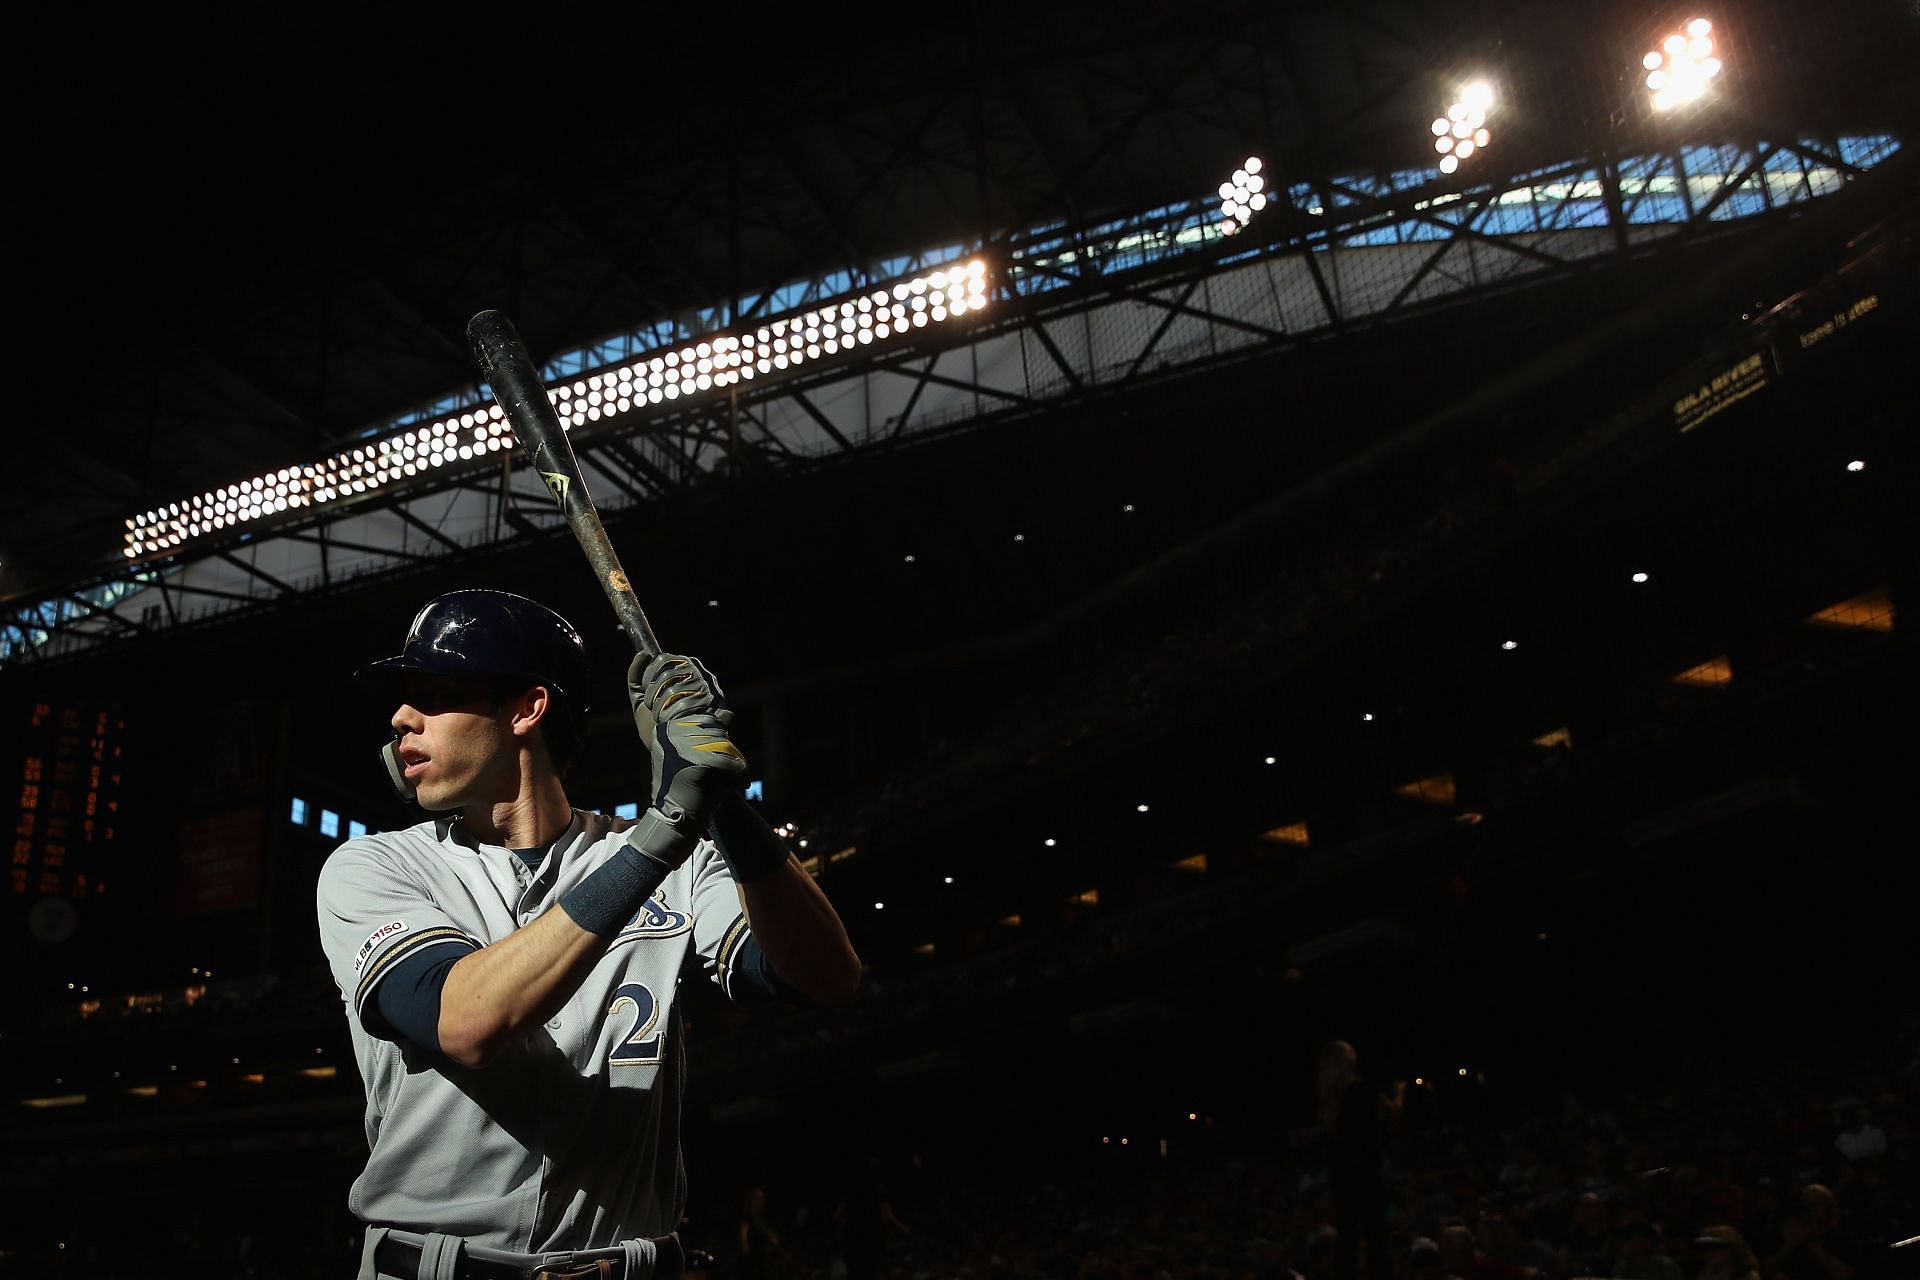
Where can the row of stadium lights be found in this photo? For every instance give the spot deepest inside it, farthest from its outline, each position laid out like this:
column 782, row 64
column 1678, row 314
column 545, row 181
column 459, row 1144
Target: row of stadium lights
column 1678, row 72
column 717, row 363
column 784, row 344
column 356, row 471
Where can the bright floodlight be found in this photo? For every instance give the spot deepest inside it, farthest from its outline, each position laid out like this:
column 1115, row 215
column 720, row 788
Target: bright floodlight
column 1242, row 196
column 1678, row 71
column 717, row 363
column 1462, row 130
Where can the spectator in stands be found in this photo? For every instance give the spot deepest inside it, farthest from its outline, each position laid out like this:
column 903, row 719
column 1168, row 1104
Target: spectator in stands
column 1322, row 1246
column 1269, row 1263
column 1500, row 1240
column 1763, row 1224
column 1588, row 1250
column 1723, row 1255
column 865, row 1213
column 1463, row 1258
column 1552, row 1199
column 1860, row 1139
column 1814, row 1244
column 1641, row 1257
column 1521, row 1169
column 1302, row 1224
column 1428, row 1263
column 1689, row 1204
column 1430, row 1202
column 1359, row 1118
column 761, row 1255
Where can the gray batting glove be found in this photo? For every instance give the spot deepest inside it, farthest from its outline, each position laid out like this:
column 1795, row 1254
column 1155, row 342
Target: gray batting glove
column 684, row 720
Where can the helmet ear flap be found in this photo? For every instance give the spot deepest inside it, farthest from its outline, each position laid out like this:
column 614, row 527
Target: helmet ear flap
column 397, row 772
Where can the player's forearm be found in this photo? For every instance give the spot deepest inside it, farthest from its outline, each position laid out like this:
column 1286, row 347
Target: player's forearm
column 497, row 996
column 801, row 935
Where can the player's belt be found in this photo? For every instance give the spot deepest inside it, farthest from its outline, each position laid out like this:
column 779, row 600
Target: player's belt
column 400, row 1254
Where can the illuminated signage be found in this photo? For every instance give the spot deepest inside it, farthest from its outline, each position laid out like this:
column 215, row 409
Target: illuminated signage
column 68, row 801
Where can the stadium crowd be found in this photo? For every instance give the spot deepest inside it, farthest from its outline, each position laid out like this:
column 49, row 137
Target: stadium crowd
column 1810, row 1176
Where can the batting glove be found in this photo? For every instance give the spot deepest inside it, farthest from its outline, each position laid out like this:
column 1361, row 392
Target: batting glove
column 684, row 720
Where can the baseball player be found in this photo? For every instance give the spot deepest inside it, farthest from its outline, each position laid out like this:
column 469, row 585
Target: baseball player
column 509, row 966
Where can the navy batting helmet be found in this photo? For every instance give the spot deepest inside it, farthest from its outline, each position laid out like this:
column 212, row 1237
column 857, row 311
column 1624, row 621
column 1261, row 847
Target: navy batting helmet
column 491, row 633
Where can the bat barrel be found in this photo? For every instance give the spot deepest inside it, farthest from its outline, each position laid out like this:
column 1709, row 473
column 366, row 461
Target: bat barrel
column 516, row 385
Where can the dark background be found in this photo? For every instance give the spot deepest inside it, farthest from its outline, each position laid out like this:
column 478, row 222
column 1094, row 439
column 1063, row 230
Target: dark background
column 1701, row 892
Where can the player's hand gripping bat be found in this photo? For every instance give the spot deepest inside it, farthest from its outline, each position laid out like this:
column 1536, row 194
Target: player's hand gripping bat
column 516, row 386
column 710, row 764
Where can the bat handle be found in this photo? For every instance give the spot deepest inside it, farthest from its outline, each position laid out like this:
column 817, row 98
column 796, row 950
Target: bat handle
column 633, row 620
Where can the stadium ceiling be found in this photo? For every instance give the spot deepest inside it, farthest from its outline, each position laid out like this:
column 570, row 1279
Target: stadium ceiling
column 251, row 302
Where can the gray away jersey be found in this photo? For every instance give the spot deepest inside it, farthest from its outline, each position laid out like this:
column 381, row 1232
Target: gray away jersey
column 572, row 1139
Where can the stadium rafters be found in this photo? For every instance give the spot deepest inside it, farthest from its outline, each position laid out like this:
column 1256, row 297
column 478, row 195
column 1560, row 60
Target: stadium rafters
column 1076, row 310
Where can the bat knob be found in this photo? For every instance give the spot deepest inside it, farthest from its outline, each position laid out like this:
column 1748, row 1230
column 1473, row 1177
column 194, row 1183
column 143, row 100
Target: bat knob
column 493, row 337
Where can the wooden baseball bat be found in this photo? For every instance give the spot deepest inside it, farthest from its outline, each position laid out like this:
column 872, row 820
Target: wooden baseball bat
column 516, row 387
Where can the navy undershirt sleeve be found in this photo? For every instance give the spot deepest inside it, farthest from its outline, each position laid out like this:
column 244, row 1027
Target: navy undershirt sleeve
column 753, row 980
column 747, row 844
column 407, row 1004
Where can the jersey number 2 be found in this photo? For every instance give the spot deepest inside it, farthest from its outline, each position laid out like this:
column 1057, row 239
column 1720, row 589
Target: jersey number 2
column 636, row 1048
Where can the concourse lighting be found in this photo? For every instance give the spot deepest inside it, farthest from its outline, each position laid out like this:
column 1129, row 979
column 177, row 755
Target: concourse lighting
column 1856, row 465
column 716, row 362
column 1462, row 131
column 1510, row 644
column 1639, row 577
column 1242, row 196
column 1679, row 70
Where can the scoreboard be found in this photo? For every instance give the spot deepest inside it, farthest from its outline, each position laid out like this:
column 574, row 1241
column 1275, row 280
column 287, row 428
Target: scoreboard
column 68, row 774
